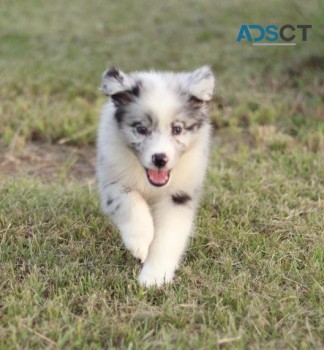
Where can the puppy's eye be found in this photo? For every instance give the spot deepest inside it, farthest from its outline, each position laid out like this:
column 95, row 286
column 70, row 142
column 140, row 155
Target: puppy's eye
column 142, row 130
column 176, row 130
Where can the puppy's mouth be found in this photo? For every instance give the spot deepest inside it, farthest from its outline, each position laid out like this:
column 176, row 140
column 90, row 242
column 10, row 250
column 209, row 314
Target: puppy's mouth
column 158, row 177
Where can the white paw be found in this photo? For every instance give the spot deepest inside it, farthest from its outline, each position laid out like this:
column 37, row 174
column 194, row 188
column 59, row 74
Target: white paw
column 150, row 277
column 138, row 246
column 137, row 238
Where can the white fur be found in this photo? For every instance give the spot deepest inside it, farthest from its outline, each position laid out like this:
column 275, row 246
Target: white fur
column 152, row 226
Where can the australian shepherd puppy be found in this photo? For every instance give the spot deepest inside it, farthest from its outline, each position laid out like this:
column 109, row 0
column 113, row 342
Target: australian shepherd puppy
column 152, row 156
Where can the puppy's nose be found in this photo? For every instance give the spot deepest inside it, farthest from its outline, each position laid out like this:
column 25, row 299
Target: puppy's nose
column 159, row 159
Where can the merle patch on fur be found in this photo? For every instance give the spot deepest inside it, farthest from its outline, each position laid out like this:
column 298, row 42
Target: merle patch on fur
column 135, row 91
column 181, row 198
column 119, row 114
column 123, row 98
column 114, row 73
column 194, row 111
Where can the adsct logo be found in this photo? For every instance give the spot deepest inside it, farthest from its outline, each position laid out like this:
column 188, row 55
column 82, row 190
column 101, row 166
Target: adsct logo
column 273, row 35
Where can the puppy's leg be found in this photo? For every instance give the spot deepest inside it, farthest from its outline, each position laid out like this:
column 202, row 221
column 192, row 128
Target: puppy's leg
column 173, row 218
column 130, row 213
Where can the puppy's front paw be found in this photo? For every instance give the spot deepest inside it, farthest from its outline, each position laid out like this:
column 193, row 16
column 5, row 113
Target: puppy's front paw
column 138, row 237
column 150, row 277
column 138, row 246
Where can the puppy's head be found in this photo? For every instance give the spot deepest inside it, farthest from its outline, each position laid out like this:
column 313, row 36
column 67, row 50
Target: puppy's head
column 159, row 114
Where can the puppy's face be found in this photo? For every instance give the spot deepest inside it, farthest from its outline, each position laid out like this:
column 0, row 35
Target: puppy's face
column 159, row 115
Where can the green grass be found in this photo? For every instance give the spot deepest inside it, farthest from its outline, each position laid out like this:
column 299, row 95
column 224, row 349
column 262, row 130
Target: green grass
column 253, row 277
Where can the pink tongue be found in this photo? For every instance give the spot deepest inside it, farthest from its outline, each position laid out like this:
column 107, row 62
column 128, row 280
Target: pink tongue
column 158, row 176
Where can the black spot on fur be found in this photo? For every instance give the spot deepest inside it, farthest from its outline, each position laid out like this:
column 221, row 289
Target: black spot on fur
column 135, row 91
column 122, row 98
column 109, row 202
column 181, row 198
column 119, row 114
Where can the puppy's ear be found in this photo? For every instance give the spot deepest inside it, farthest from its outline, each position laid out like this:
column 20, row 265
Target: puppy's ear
column 200, row 85
column 113, row 81
column 119, row 86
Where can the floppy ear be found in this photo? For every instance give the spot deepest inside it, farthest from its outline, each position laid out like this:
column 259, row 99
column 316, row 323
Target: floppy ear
column 200, row 85
column 119, row 86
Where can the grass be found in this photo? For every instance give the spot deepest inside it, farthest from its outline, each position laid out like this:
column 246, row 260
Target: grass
column 254, row 273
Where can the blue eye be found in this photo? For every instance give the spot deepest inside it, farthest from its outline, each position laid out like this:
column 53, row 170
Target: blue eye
column 176, row 130
column 142, row 130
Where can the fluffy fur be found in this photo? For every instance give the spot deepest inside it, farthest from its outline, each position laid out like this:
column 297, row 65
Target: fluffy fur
column 152, row 156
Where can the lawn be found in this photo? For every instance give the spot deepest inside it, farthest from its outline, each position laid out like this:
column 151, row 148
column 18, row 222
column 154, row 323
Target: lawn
column 253, row 277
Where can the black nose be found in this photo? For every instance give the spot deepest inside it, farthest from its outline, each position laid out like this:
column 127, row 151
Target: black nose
column 159, row 159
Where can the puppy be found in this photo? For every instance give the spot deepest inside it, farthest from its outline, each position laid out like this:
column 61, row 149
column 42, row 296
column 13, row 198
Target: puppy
column 152, row 155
